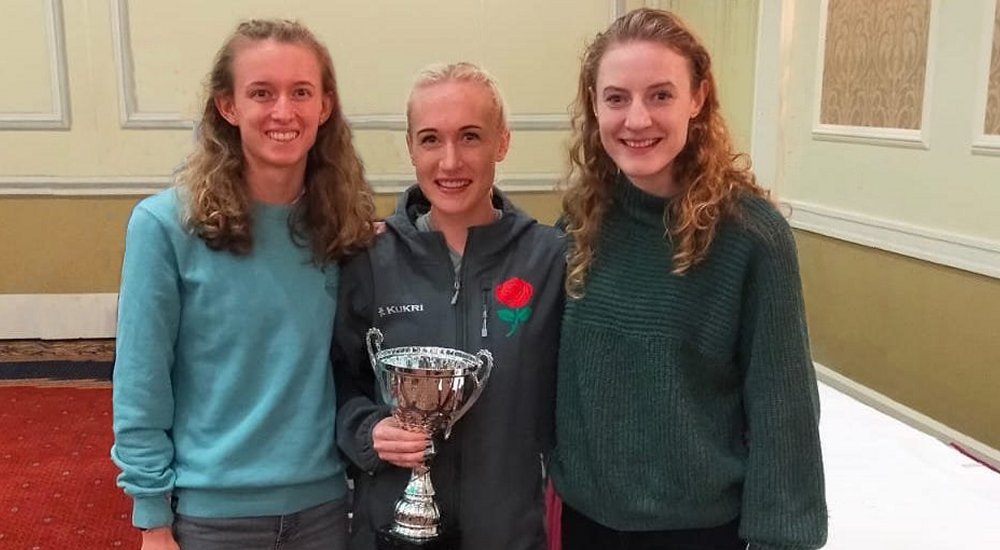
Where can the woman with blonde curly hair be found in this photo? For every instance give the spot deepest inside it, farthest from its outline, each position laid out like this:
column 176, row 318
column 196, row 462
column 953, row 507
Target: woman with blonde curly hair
column 687, row 408
column 224, row 400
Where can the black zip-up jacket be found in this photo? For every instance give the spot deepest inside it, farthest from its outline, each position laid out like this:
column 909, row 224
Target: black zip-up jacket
column 489, row 474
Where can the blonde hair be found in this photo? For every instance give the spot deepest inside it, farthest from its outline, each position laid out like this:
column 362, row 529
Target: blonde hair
column 459, row 72
column 334, row 214
column 711, row 175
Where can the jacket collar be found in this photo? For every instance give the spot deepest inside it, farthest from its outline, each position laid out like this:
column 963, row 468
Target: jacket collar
column 485, row 240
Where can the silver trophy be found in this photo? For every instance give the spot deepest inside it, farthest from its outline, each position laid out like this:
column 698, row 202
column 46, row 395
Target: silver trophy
column 428, row 389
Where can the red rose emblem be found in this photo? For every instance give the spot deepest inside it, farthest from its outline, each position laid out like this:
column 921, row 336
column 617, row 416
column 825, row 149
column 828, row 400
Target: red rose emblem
column 515, row 293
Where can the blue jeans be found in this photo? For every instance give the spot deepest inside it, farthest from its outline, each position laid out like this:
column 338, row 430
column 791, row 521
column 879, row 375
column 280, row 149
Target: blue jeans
column 322, row 527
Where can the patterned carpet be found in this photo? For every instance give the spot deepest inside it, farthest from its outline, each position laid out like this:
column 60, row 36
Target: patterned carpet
column 57, row 481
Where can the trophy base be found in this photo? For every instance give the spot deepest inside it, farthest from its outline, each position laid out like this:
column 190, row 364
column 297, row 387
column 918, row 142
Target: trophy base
column 385, row 539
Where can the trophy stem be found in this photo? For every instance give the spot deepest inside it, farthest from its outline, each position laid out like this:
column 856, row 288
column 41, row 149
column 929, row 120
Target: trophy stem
column 417, row 516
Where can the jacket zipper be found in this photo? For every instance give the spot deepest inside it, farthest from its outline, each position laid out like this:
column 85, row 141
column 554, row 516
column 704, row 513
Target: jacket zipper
column 461, row 337
column 486, row 293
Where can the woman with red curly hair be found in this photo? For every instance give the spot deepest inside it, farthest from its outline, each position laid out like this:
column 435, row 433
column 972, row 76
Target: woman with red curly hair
column 687, row 408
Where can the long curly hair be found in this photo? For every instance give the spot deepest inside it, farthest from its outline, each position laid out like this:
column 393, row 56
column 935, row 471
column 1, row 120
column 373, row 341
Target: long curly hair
column 711, row 176
column 334, row 215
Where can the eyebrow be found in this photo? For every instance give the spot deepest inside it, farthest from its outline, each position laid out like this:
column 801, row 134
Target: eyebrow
column 664, row 84
column 269, row 83
column 462, row 129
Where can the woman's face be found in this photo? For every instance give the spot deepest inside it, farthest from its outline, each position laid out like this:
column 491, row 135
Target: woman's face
column 278, row 104
column 455, row 140
column 644, row 101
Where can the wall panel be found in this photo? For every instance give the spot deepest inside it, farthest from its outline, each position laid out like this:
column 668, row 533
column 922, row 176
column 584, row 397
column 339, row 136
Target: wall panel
column 36, row 94
column 139, row 66
column 992, row 122
column 874, row 64
column 24, row 21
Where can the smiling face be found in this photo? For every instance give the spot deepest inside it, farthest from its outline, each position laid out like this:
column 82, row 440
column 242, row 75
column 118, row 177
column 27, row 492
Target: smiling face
column 644, row 101
column 455, row 139
column 278, row 104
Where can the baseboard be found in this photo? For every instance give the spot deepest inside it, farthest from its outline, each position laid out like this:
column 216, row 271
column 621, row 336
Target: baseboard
column 58, row 316
column 976, row 449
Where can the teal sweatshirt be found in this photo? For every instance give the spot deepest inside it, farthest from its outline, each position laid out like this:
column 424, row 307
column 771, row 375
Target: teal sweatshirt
column 686, row 401
column 223, row 392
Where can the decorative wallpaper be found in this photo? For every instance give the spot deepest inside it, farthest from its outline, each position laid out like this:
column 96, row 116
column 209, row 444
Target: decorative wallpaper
column 992, row 126
column 874, row 63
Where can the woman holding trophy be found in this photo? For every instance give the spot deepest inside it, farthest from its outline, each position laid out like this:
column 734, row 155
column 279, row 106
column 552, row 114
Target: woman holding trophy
column 460, row 267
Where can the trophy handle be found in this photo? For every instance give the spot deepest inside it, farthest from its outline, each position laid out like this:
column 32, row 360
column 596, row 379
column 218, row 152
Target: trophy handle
column 480, row 376
column 373, row 340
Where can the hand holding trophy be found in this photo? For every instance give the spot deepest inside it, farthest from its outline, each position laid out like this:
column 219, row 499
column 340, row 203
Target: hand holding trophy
column 428, row 389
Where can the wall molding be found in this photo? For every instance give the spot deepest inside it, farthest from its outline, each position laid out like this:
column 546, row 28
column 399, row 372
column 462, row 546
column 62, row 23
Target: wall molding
column 516, row 182
column 620, row 8
column 892, row 137
column 986, row 144
column 970, row 254
column 58, row 316
column 132, row 118
column 59, row 117
column 519, row 122
column 908, row 416
column 128, row 106
column 768, row 130
column 983, row 143
column 83, row 186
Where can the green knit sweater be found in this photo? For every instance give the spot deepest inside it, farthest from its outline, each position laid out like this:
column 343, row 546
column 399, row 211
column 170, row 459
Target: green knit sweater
column 686, row 401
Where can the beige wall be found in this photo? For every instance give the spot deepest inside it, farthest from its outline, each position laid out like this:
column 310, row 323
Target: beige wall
column 729, row 30
column 929, row 179
column 125, row 78
column 75, row 244
column 132, row 76
column 65, row 245
column 140, row 64
column 908, row 325
column 923, row 334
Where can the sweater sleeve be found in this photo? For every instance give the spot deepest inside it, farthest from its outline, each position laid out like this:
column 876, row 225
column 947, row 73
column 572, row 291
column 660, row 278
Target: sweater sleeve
column 148, row 319
column 784, row 505
column 358, row 408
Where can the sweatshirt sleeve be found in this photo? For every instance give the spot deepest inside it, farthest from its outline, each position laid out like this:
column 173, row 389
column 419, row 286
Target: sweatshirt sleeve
column 148, row 318
column 784, row 505
column 358, row 408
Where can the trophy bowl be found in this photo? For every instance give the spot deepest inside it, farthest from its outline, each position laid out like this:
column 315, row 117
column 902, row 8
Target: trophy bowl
column 428, row 389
